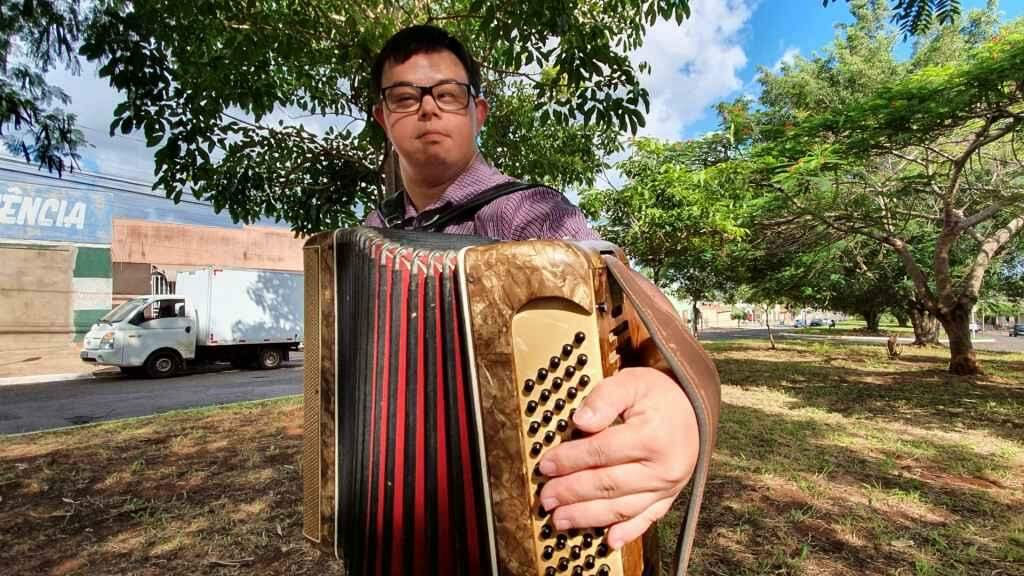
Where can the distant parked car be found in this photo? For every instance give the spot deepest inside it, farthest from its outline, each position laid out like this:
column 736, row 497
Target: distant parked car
column 798, row 324
column 817, row 322
column 1017, row 330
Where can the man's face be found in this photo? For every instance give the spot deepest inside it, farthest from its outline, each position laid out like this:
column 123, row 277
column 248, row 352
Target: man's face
column 431, row 137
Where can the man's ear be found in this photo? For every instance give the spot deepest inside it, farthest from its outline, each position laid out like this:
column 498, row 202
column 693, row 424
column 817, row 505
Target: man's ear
column 378, row 115
column 481, row 109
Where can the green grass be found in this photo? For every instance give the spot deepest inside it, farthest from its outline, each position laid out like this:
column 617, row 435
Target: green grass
column 831, row 459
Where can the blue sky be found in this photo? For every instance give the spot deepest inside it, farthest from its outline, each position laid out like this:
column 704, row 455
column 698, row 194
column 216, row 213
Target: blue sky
column 711, row 57
column 777, row 27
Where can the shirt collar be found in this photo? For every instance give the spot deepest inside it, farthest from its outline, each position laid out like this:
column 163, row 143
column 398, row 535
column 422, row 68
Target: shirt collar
column 476, row 178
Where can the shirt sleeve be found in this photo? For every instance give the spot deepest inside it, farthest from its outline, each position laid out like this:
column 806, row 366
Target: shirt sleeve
column 374, row 220
column 541, row 213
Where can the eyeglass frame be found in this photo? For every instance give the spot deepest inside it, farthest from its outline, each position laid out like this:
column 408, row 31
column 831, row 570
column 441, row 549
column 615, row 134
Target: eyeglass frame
column 429, row 90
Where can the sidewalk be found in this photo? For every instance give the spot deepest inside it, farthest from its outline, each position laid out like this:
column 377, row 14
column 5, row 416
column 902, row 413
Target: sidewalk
column 52, row 363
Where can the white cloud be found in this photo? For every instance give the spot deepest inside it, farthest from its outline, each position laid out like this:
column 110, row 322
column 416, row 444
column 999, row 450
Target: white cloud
column 694, row 65
column 788, row 57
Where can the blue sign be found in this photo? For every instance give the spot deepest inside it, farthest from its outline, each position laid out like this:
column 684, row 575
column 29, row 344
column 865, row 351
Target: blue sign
column 30, row 211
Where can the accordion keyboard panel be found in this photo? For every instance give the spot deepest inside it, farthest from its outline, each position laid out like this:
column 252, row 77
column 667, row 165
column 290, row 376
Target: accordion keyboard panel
column 557, row 358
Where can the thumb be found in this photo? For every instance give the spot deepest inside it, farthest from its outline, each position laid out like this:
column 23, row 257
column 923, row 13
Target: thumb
column 610, row 398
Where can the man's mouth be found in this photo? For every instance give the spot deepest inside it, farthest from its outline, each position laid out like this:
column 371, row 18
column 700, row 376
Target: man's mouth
column 431, row 133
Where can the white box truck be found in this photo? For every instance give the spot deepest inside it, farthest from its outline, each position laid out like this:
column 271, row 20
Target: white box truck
column 251, row 318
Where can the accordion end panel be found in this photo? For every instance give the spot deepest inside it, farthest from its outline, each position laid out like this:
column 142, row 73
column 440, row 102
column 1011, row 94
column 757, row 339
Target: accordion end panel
column 536, row 327
column 318, row 396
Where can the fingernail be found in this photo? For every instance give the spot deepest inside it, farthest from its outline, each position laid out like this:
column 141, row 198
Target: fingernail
column 562, row 525
column 549, row 503
column 547, row 468
column 584, row 415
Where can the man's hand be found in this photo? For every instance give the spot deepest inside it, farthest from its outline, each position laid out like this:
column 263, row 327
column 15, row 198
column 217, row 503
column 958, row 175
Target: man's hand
column 625, row 476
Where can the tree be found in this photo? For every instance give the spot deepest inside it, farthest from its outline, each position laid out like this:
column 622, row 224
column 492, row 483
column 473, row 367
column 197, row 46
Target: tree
column 917, row 16
column 678, row 216
column 202, row 78
column 37, row 36
column 953, row 130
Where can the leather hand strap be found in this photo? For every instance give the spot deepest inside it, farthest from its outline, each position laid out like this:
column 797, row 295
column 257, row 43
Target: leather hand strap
column 696, row 375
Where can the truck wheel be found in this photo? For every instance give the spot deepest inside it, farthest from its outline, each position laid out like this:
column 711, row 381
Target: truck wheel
column 162, row 364
column 269, row 358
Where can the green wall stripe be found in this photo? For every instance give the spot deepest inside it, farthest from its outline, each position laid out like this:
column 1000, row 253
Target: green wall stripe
column 93, row 263
column 84, row 319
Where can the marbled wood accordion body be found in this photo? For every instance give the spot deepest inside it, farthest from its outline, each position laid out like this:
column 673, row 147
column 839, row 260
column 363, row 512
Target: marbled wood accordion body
column 438, row 371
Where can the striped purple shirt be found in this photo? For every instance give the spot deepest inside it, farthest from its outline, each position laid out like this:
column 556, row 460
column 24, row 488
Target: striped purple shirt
column 540, row 213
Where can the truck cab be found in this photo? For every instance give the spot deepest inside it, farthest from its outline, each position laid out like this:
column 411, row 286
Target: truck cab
column 152, row 334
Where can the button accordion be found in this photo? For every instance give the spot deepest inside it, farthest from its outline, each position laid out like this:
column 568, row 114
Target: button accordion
column 438, row 371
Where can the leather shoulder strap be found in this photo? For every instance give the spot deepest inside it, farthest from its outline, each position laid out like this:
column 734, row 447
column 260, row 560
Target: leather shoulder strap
column 693, row 370
column 448, row 215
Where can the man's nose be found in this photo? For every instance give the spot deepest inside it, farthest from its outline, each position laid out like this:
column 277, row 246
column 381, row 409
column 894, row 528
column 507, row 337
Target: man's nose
column 428, row 106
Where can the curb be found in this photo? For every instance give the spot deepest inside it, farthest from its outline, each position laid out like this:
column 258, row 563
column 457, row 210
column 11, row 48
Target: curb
column 52, row 378
column 865, row 338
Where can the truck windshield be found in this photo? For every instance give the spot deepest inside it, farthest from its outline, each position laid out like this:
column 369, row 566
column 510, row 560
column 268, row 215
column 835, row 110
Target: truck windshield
column 123, row 311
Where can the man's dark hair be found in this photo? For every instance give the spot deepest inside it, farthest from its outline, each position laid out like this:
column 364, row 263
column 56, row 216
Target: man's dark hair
column 421, row 39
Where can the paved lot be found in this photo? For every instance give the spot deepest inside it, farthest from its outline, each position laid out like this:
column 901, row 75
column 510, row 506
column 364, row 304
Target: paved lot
column 33, row 407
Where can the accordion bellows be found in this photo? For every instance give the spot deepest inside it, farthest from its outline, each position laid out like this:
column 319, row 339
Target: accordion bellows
column 440, row 369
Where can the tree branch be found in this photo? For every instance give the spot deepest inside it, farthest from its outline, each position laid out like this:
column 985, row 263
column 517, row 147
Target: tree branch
column 990, row 248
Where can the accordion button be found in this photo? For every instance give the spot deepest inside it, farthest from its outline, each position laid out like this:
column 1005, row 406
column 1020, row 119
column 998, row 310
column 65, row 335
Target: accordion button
column 567, row 350
column 545, row 531
column 542, row 374
column 549, row 437
column 561, row 541
column 588, row 540
column 549, row 552
column 602, row 549
column 575, row 552
column 604, row 570
column 571, row 393
column 534, row 428
column 590, row 562
column 545, row 395
column 563, row 425
column 559, row 405
column 599, row 531
column 581, row 360
column 584, row 381
column 563, row 564
column 528, row 386
column 542, row 512
column 555, row 362
column 536, row 448
column 550, row 571
column 556, row 384
column 548, row 415
column 577, row 571
column 531, row 407
column 574, row 532
column 579, row 338
column 570, row 371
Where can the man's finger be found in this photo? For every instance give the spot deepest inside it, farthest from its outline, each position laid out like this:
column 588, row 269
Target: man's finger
column 599, row 513
column 599, row 484
column 610, row 398
column 624, row 532
column 612, row 446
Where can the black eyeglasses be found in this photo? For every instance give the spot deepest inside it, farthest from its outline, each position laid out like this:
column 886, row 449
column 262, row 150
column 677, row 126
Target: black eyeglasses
column 450, row 96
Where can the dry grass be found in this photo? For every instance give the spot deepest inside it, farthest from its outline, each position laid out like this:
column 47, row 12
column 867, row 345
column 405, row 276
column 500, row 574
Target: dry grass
column 831, row 460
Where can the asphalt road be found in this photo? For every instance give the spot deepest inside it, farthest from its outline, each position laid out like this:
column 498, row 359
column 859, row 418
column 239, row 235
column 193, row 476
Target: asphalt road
column 34, row 407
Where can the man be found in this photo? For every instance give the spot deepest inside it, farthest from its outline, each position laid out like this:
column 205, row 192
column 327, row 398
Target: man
column 624, row 476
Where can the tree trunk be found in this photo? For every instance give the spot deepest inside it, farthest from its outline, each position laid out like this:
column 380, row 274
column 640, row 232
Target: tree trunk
column 902, row 318
column 872, row 318
column 957, row 322
column 926, row 327
column 768, row 324
column 695, row 315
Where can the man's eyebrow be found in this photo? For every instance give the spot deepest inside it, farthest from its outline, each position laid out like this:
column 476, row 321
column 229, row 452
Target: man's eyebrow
column 441, row 81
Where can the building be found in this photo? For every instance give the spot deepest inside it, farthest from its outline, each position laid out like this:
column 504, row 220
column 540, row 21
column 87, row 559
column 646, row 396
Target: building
column 73, row 247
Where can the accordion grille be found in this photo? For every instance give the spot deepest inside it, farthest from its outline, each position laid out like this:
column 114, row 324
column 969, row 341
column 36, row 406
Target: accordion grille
column 311, row 397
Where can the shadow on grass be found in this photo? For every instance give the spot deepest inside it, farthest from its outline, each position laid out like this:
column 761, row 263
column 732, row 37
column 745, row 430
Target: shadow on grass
column 858, row 381
column 786, row 499
column 212, row 495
